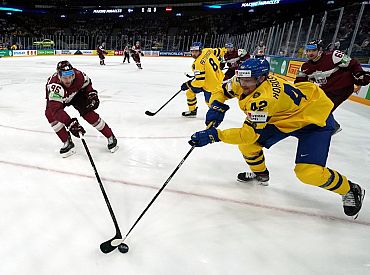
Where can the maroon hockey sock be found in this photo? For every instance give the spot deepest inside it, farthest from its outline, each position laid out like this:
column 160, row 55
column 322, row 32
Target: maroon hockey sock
column 63, row 134
column 95, row 120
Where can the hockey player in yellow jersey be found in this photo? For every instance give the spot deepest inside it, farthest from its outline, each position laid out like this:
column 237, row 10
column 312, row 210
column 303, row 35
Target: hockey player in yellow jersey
column 276, row 109
column 207, row 76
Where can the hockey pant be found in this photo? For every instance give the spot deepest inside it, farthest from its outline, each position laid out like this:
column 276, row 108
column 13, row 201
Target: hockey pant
column 79, row 102
column 101, row 56
column 192, row 98
column 136, row 57
column 311, row 155
column 339, row 96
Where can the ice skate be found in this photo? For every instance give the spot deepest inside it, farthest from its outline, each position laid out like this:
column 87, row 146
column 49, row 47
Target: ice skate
column 67, row 149
column 352, row 201
column 112, row 144
column 250, row 177
column 190, row 113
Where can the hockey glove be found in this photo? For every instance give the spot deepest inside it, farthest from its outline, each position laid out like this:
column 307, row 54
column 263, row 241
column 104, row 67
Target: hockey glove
column 75, row 128
column 93, row 100
column 216, row 113
column 362, row 78
column 184, row 86
column 202, row 138
column 141, row 53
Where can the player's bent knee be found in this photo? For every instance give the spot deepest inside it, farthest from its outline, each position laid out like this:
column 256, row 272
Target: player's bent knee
column 49, row 115
column 309, row 173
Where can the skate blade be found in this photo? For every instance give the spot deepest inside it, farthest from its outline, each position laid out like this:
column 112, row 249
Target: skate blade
column 68, row 154
column 262, row 183
column 190, row 116
column 114, row 149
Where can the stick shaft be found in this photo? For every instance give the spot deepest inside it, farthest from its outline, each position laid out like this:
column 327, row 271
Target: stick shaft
column 160, row 190
column 163, row 104
column 118, row 232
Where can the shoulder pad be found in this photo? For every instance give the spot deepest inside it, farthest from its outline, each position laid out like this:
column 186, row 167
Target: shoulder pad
column 340, row 59
column 56, row 92
column 86, row 82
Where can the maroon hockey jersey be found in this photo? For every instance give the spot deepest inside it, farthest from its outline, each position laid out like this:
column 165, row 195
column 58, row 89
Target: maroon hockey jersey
column 232, row 59
column 58, row 96
column 333, row 72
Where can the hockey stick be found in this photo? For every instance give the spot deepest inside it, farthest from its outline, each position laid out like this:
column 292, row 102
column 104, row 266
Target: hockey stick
column 189, row 75
column 148, row 113
column 111, row 244
column 193, row 76
column 163, row 186
column 159, row 191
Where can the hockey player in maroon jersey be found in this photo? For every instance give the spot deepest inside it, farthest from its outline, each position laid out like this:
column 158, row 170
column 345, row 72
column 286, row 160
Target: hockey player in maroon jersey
column 69, row 86
column 335, row 73
column 101, row 52
column 260, row 50
column 135, row 54
column 232, row 59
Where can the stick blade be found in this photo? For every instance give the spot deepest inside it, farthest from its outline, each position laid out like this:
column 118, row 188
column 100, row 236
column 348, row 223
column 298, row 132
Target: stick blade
column 148, row 113
column 111, row 244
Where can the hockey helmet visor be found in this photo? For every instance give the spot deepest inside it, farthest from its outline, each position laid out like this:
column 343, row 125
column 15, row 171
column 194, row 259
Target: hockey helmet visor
column 311, row 47
column 66, row 73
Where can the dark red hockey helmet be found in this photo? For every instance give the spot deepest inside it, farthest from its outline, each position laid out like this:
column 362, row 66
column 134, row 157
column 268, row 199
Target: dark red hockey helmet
column 64, row 68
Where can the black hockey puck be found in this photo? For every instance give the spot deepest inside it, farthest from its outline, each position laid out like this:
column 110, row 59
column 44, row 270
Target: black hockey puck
column 123, row 248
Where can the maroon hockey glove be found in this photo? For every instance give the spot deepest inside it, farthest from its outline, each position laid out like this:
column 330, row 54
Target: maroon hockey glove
column 93, row 100
column 75, row 128
column 362, row 78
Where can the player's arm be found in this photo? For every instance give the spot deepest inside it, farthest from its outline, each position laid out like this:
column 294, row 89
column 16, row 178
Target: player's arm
column 220, row 96
column 257, row 111
column 244, row 135
column 244, row 55
column 199, row 76
column 55, row 102
column 90, row 92
column 87, row 83
column 301, row 75
column 343, row 61
column 231, row 88
column 362, row 78
column 219, row 52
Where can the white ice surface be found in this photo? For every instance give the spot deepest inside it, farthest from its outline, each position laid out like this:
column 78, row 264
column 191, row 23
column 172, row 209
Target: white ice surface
column 53, row 216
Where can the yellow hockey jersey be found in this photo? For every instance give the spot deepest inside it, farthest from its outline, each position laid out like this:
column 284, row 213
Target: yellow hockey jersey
column 276, row 101
column 207, row 72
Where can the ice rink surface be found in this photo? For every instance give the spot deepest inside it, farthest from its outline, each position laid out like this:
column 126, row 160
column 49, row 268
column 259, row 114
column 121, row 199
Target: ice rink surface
column 53, row 216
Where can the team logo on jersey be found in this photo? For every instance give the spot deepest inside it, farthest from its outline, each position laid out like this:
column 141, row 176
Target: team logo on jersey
column 55, row 95
column 257, row 116
column 320, row 77
column 256, row 94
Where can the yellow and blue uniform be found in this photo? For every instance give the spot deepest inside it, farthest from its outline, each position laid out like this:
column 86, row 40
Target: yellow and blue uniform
column 277, row 109
column 207, row 76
